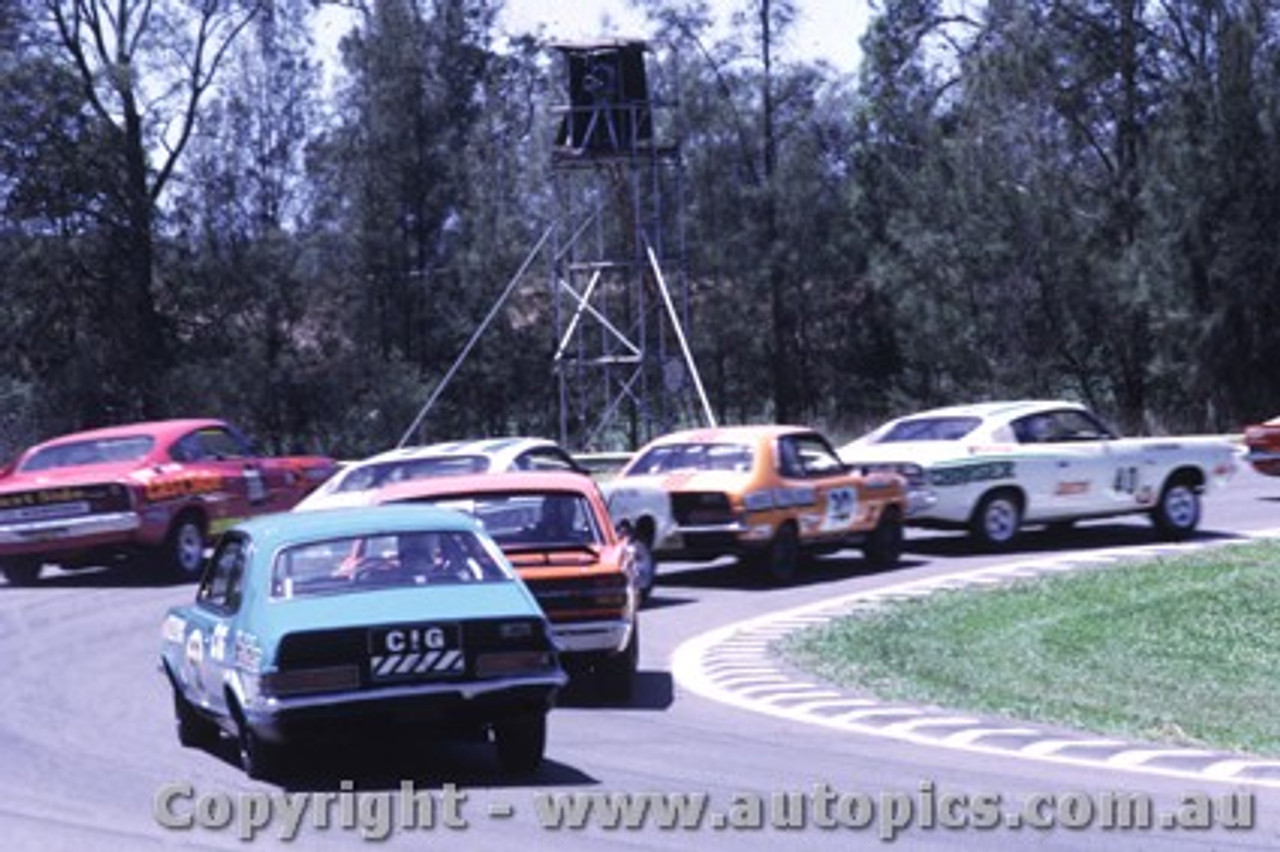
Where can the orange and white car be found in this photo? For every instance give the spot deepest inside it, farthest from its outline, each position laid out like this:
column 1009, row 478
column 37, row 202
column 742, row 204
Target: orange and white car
column 762, row 493
column 555, row 529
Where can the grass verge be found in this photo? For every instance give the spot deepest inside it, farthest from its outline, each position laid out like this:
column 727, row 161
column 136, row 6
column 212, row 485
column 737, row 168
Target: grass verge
column 1181, row 650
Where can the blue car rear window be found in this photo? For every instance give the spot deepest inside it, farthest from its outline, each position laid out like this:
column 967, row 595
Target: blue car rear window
column 420, row 558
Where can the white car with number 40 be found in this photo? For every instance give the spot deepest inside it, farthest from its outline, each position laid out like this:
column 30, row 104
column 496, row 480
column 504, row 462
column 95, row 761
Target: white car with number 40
column 993, row 467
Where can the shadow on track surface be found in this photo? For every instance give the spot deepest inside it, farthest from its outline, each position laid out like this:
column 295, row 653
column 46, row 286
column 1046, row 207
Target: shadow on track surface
column 125, row 574
column 392, row 758
column 651, row 690
column 1037, row 540
column 732, row 574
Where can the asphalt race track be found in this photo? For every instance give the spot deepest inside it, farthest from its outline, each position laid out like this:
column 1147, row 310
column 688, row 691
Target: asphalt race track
column 89, row 759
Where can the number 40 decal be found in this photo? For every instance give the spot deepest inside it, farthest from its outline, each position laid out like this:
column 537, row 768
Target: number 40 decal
column 1126, row 481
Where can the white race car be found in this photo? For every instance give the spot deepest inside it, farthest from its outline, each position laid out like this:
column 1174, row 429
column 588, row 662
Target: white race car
column 356, row 483
column 993, row 467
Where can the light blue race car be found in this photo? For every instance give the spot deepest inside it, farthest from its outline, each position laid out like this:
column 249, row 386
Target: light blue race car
column 387, row 614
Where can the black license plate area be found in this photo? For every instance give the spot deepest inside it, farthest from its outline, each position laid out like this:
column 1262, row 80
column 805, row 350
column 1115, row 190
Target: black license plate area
column 430, row 651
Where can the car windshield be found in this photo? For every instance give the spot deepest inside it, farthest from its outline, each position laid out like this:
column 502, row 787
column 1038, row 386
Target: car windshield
column 377, row 474
column 420, row 558
column 531, row 520
column 693, row 456
column 930, row 429
column 95, row 451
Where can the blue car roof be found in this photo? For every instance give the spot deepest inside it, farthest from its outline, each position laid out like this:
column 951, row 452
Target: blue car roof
column 286, row 528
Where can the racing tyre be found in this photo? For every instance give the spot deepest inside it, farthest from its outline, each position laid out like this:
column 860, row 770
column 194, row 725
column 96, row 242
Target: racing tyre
column 194, row 731
column 182, row 556
column 616, row 674
column 521, row 743
column 259, row 759
column 884, row 545
column 1177, row 514
column 646, row 567
column 777, row 565
column 21, row 572
column 996, row 521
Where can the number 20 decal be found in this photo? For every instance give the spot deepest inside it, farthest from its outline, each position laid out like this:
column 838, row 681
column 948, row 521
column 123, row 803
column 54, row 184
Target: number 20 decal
column 842, row 503
column 1126, row 480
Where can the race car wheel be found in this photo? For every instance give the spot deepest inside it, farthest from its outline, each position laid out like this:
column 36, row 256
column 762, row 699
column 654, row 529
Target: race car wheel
column 521, row 742
column 616, row 673
column 21, row 572
column 259, row 759
column 884, row 545
column 1177, row 514
column 183, row 553
column 776, row 566
column 194, row 731
column 646, row 567
column 996, row 521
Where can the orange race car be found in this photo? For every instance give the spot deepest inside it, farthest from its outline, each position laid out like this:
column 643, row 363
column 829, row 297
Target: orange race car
column 556, row 530
column 763, row 493
column 1262, row 445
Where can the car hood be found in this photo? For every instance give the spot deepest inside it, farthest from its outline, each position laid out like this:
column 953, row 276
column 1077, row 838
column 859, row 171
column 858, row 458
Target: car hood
column 335, row 500
column 1209, row 447
column 919, row 452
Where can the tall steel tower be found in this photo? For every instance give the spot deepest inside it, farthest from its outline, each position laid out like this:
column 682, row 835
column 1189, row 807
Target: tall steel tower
column 623, row 364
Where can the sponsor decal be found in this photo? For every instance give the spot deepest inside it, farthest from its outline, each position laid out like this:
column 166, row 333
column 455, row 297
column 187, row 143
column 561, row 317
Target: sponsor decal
column 51, row 496
column 44, row 513
column 218, row 641
column 177, row 485
column 432, row 650
column 192, row 665
column 1072, row 489
column 963, row 474
column 842, row 507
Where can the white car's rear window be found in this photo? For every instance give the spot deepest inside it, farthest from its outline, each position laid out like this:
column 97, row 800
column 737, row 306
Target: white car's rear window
column 930, row 429
column 673, row 457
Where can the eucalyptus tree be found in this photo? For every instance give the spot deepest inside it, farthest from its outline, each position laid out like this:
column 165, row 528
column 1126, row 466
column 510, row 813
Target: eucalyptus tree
column 907, row 204
column 143, row 69
column 1213, row 202
column 397, row 175
column 248, row 292
column 765, row 189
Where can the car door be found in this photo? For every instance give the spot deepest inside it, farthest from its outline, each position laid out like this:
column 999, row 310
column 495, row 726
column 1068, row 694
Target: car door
column 210, row 631
column 1074, row 469
column 246, row 486
column 818, row 484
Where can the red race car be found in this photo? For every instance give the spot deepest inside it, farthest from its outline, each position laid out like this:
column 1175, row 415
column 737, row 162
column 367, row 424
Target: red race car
column 165, row 488
column 1262, row 446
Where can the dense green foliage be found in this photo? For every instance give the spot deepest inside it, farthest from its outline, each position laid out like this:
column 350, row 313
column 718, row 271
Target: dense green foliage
column 1054, row 198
